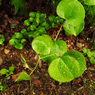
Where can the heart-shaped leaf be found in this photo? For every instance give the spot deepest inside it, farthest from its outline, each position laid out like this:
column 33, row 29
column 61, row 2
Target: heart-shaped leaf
column 59, row 47
column 42, row 44
column 23, row 76
column 75, row 30
column 89, row 2
column 71, row 10
column 71, row 65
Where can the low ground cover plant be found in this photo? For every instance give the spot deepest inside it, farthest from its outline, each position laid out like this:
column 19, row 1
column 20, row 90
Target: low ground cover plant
column 38, row 23
column 7, row 72
column 90, row 55
column 17, row 40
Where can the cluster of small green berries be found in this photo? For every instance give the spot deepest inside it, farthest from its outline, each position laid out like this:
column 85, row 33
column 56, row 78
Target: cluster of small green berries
column 38, row 24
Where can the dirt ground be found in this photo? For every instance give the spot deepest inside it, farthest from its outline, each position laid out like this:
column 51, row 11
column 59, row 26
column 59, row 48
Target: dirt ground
column 41, row 83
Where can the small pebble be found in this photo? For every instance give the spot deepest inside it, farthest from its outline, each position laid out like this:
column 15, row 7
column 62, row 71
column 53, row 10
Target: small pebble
column 80, row 45
column 6, row 51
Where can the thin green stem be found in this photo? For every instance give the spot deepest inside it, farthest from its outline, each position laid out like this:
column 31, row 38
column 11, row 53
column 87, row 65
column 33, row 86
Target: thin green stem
column 58, row 33
column 30, row 69
column 35, row 67
column 47, row 56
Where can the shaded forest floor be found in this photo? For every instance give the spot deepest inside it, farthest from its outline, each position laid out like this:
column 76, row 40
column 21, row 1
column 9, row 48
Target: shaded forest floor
column 41, row 83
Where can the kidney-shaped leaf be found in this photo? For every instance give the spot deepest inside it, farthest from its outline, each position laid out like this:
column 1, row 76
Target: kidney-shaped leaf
column 75, row 30
column 72, row 11
column 89, row 2
column 59, row 47
column 71, row 65
column 42, row 44
column 23, row 76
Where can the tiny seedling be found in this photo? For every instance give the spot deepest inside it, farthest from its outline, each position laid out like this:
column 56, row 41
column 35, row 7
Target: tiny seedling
column 38, row 24
column 23, row 75
column 2, row 39
column 7, row 72
column 17, row 40
column 90, row 55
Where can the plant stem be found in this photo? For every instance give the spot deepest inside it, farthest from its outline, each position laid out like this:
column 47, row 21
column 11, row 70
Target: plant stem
column 58, row 33
column 47, row 56
column 35, row 67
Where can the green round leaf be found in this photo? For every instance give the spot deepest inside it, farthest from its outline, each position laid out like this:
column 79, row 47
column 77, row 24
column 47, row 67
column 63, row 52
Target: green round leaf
column 11, row 68
column 53, row 25
column 18, row 35
column 12, row 41
column 92, row 60
column 71, row 65
column 1, row 41
column 37, row 20
column 41, row 30
column 89, row 2
column 85, row 50
column 43, row 16
column 23, row 40
column 36, row 24
column 43, row 23
column 47, row 26
column 24, row 32
column 61, row 20
column 32, row 14
column 26, row 22
column 42, row 44
column 18, row 46
column 38, row 14
column 32, row 27
column 71, row 10
column 59, row 47
column 93, row 53
column 3, row 71
column 51, row 18
column 89, row 54
column 75, row 30
column 31, row 19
